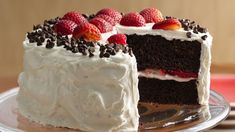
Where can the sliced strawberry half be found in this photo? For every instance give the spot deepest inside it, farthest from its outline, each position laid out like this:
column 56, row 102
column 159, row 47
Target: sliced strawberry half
column 133, row 19
column 75, row 16
column 168, row 24
column 102, row 25
column 107, row 19
column 117, row 39
column 87, row 31
column 152, row 15
column 65, row 27
column 181, row 74
column 110, row 12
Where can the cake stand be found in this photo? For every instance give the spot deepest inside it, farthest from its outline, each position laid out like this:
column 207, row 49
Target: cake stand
column 153, row 117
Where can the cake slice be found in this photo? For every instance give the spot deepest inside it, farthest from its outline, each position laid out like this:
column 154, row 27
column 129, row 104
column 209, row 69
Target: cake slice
column 174, row 57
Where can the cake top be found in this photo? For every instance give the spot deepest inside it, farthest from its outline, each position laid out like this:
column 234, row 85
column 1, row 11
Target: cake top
column 80, row 33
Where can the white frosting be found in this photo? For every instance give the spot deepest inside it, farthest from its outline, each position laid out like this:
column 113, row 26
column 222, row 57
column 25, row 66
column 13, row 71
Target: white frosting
column 64, row 89
column 205, row 58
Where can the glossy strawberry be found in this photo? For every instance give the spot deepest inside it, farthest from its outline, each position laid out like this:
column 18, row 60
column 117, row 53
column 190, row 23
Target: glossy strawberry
column 75, row 16
column 168, row 24
column 110, row 12
column 65, row 27
column 133, row 19
column 102, row 25
column 152, row 15
column 117, row 39
column 107, row 19
column 87, row 31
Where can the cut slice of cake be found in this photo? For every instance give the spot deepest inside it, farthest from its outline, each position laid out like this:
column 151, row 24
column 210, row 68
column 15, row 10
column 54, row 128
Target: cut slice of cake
column 174, row 58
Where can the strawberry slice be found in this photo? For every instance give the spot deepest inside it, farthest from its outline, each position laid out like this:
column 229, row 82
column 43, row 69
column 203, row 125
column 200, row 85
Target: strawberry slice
column 168, row 24
column 110, row 12
column 117, row 39
column 181, row 74
column 88, row 31
column 102, row 25
column 75, row 16
column 65, row 27
column 152, row 15
column 133, row 19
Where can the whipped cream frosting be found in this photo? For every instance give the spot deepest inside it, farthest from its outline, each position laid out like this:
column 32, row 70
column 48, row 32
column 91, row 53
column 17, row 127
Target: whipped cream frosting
column 205, row 58
column 68, row 89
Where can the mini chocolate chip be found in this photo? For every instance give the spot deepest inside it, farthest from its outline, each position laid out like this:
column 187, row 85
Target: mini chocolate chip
column 106, row 54
column 195, row 30
column 91, row 54
column 39, row 43
column 204, row 37
column 75, row 50
column 50, row 45
column 189, row 34
column 32, row 40
column 42, row 39
column 84, row 52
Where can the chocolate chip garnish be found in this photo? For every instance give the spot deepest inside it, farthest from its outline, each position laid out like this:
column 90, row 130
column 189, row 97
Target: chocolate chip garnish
column 39, row 43
column 189, row 34
column 204, row 37
column 50, row 44
column 106, row 54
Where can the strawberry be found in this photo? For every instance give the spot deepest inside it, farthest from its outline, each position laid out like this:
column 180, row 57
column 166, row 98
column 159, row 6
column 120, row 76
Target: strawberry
column 110, row 12
column 88, row 31
column 102, row 25
column 182, row 74
column 117, row 39
column 133, row 19
column 152, row 15
column 107, row 19
column 74, row 16
column 168, row 24
column 65, row 27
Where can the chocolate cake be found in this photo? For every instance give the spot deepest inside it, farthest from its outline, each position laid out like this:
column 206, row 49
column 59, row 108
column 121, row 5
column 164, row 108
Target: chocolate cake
column 173, row 64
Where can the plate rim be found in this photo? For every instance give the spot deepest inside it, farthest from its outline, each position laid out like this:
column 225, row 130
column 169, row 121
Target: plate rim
column 199, row 127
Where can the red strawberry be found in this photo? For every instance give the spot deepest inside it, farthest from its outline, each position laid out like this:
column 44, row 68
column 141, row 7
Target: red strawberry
column 152, row 15
column 117, row 39
column 169, row 24
column 110, row 12
column 102, row 25
column 132, row 19
column 88, row 31
column 65, row 27
column 107, row 19
column 75, row 16
column 182, row 74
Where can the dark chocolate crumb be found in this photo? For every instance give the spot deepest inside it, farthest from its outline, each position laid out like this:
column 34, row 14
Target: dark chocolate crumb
column 50, row 44
column 204, row 37
column 39, row 43
column 189, row 34
column 106, row 54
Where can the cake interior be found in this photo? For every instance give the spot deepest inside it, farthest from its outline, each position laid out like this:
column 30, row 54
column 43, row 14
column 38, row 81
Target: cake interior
column 156, row 52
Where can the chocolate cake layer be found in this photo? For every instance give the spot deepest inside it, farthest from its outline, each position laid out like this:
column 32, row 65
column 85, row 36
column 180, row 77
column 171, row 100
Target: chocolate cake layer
column 156, row 52
column 168, row 91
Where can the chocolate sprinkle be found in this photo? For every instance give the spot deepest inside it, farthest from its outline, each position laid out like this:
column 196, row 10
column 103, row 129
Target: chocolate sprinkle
column 189, row 34
column 191, row 25
column 204, row 37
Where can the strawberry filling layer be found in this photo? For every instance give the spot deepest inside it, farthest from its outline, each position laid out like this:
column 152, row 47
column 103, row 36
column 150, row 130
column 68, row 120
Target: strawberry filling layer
column 168, row 75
